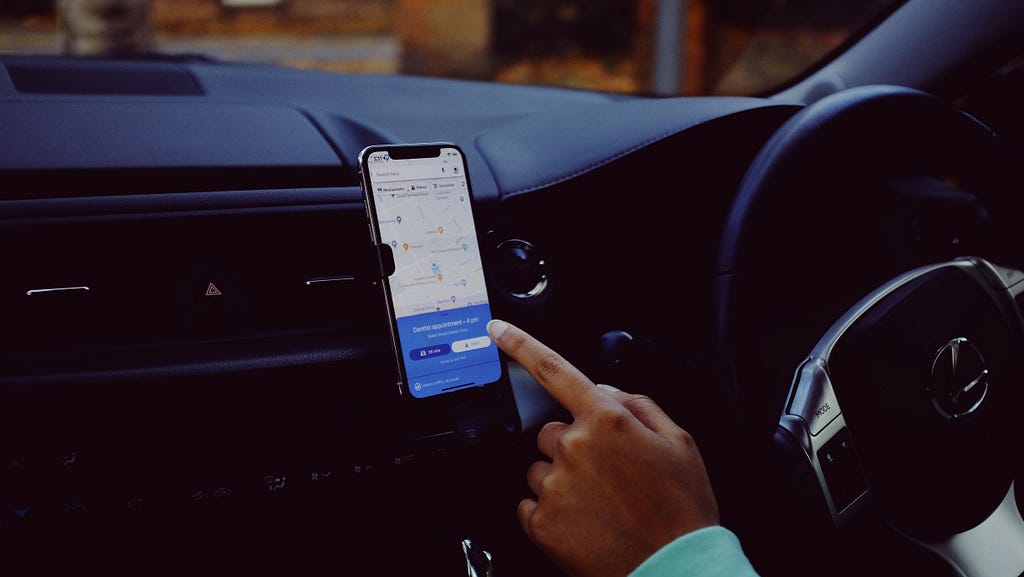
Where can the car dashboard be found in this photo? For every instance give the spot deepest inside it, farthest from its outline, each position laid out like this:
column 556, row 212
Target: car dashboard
column 195, row 355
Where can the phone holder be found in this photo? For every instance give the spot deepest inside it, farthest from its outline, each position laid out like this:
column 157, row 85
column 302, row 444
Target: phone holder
column 385, row 265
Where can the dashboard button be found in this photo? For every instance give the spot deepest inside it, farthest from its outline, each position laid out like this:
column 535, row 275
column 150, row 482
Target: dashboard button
column 214, row 305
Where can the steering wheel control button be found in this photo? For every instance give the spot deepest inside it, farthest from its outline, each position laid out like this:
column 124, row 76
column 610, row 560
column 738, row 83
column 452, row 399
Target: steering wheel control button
column 842, row 472
column 1009, row 277
column 959, row 379
column 813, row 398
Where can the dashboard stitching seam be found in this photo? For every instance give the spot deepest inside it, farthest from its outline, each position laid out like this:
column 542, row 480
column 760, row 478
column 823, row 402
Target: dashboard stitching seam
column 599, row 163
column 610, row 159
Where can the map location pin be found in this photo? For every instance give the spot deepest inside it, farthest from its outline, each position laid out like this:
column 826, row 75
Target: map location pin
column 439, row 278
column 440, row 230
column 405, row 246
column 394, row 244
column 398, row 219
column 464, row 247
column 453, row 299
column 463, row 282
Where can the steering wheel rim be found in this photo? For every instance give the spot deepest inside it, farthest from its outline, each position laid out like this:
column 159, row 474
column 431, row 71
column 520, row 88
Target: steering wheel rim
column 862, row 134
column 881, row 131
column 915, row 127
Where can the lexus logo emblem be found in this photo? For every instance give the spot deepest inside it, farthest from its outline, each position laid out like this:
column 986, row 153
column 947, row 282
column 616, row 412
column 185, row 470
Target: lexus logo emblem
column 959, row 380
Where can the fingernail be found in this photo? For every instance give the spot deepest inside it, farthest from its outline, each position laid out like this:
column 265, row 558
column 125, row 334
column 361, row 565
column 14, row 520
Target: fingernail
column 607, row 387
column 496, row 328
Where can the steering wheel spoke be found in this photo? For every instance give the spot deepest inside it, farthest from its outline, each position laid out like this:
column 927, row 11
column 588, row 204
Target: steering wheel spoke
column 993, row 548
column 814, row 421
column 907, row 401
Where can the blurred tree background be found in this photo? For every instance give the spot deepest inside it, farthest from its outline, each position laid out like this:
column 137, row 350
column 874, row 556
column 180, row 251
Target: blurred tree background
column 717, row 46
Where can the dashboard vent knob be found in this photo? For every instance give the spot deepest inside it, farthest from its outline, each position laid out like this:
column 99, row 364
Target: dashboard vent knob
column 520, row 270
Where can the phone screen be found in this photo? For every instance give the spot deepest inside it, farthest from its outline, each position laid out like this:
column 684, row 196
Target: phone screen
column 420, row 204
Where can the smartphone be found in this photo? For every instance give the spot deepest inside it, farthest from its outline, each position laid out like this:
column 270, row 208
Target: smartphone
column 420, row 204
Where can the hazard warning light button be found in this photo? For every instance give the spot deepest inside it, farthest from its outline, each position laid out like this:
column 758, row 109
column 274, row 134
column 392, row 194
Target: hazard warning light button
column 217, row 306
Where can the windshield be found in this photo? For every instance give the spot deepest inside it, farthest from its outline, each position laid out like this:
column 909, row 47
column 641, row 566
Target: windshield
column 662, row 47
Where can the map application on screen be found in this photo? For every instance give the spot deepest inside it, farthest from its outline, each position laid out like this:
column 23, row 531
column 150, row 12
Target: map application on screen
column 438, row 290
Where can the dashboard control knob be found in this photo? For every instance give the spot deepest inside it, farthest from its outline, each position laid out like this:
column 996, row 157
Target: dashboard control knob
column 520, row 270
column 617, row 346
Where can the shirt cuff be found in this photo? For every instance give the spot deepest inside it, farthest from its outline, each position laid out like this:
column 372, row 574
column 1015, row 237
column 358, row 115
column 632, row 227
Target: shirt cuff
column 709, row 552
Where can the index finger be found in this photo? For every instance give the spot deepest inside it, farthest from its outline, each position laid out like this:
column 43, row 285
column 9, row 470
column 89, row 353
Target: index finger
column 570, row 387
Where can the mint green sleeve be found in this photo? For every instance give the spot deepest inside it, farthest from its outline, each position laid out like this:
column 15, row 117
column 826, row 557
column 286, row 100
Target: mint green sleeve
column 708, row 552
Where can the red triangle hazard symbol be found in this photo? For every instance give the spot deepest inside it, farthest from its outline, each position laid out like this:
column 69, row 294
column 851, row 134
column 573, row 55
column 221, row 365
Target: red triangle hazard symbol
column 213, row 291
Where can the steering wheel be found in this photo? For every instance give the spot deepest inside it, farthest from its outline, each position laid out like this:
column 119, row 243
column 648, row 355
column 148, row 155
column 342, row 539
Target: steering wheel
column 885, row 380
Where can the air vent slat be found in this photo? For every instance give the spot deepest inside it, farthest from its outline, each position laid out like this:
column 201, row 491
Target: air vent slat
column 159, row 281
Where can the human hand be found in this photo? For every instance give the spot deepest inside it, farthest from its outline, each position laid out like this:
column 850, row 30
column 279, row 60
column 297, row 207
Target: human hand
column 623, row 479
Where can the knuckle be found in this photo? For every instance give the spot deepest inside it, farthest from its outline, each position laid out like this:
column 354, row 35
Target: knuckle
column 684, row 438
column 535, row 477
column 549, row 428
column 638, row 400
column 534, row 524
column 571, row 443
column 549, row 366
column 548, row 432
column 528, row 516
column 615, row 421
column 545, row 485
column 548, row 438
column 513, row 341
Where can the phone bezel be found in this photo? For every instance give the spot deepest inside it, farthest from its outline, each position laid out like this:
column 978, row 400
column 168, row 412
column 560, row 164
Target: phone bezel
column 424, row 150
